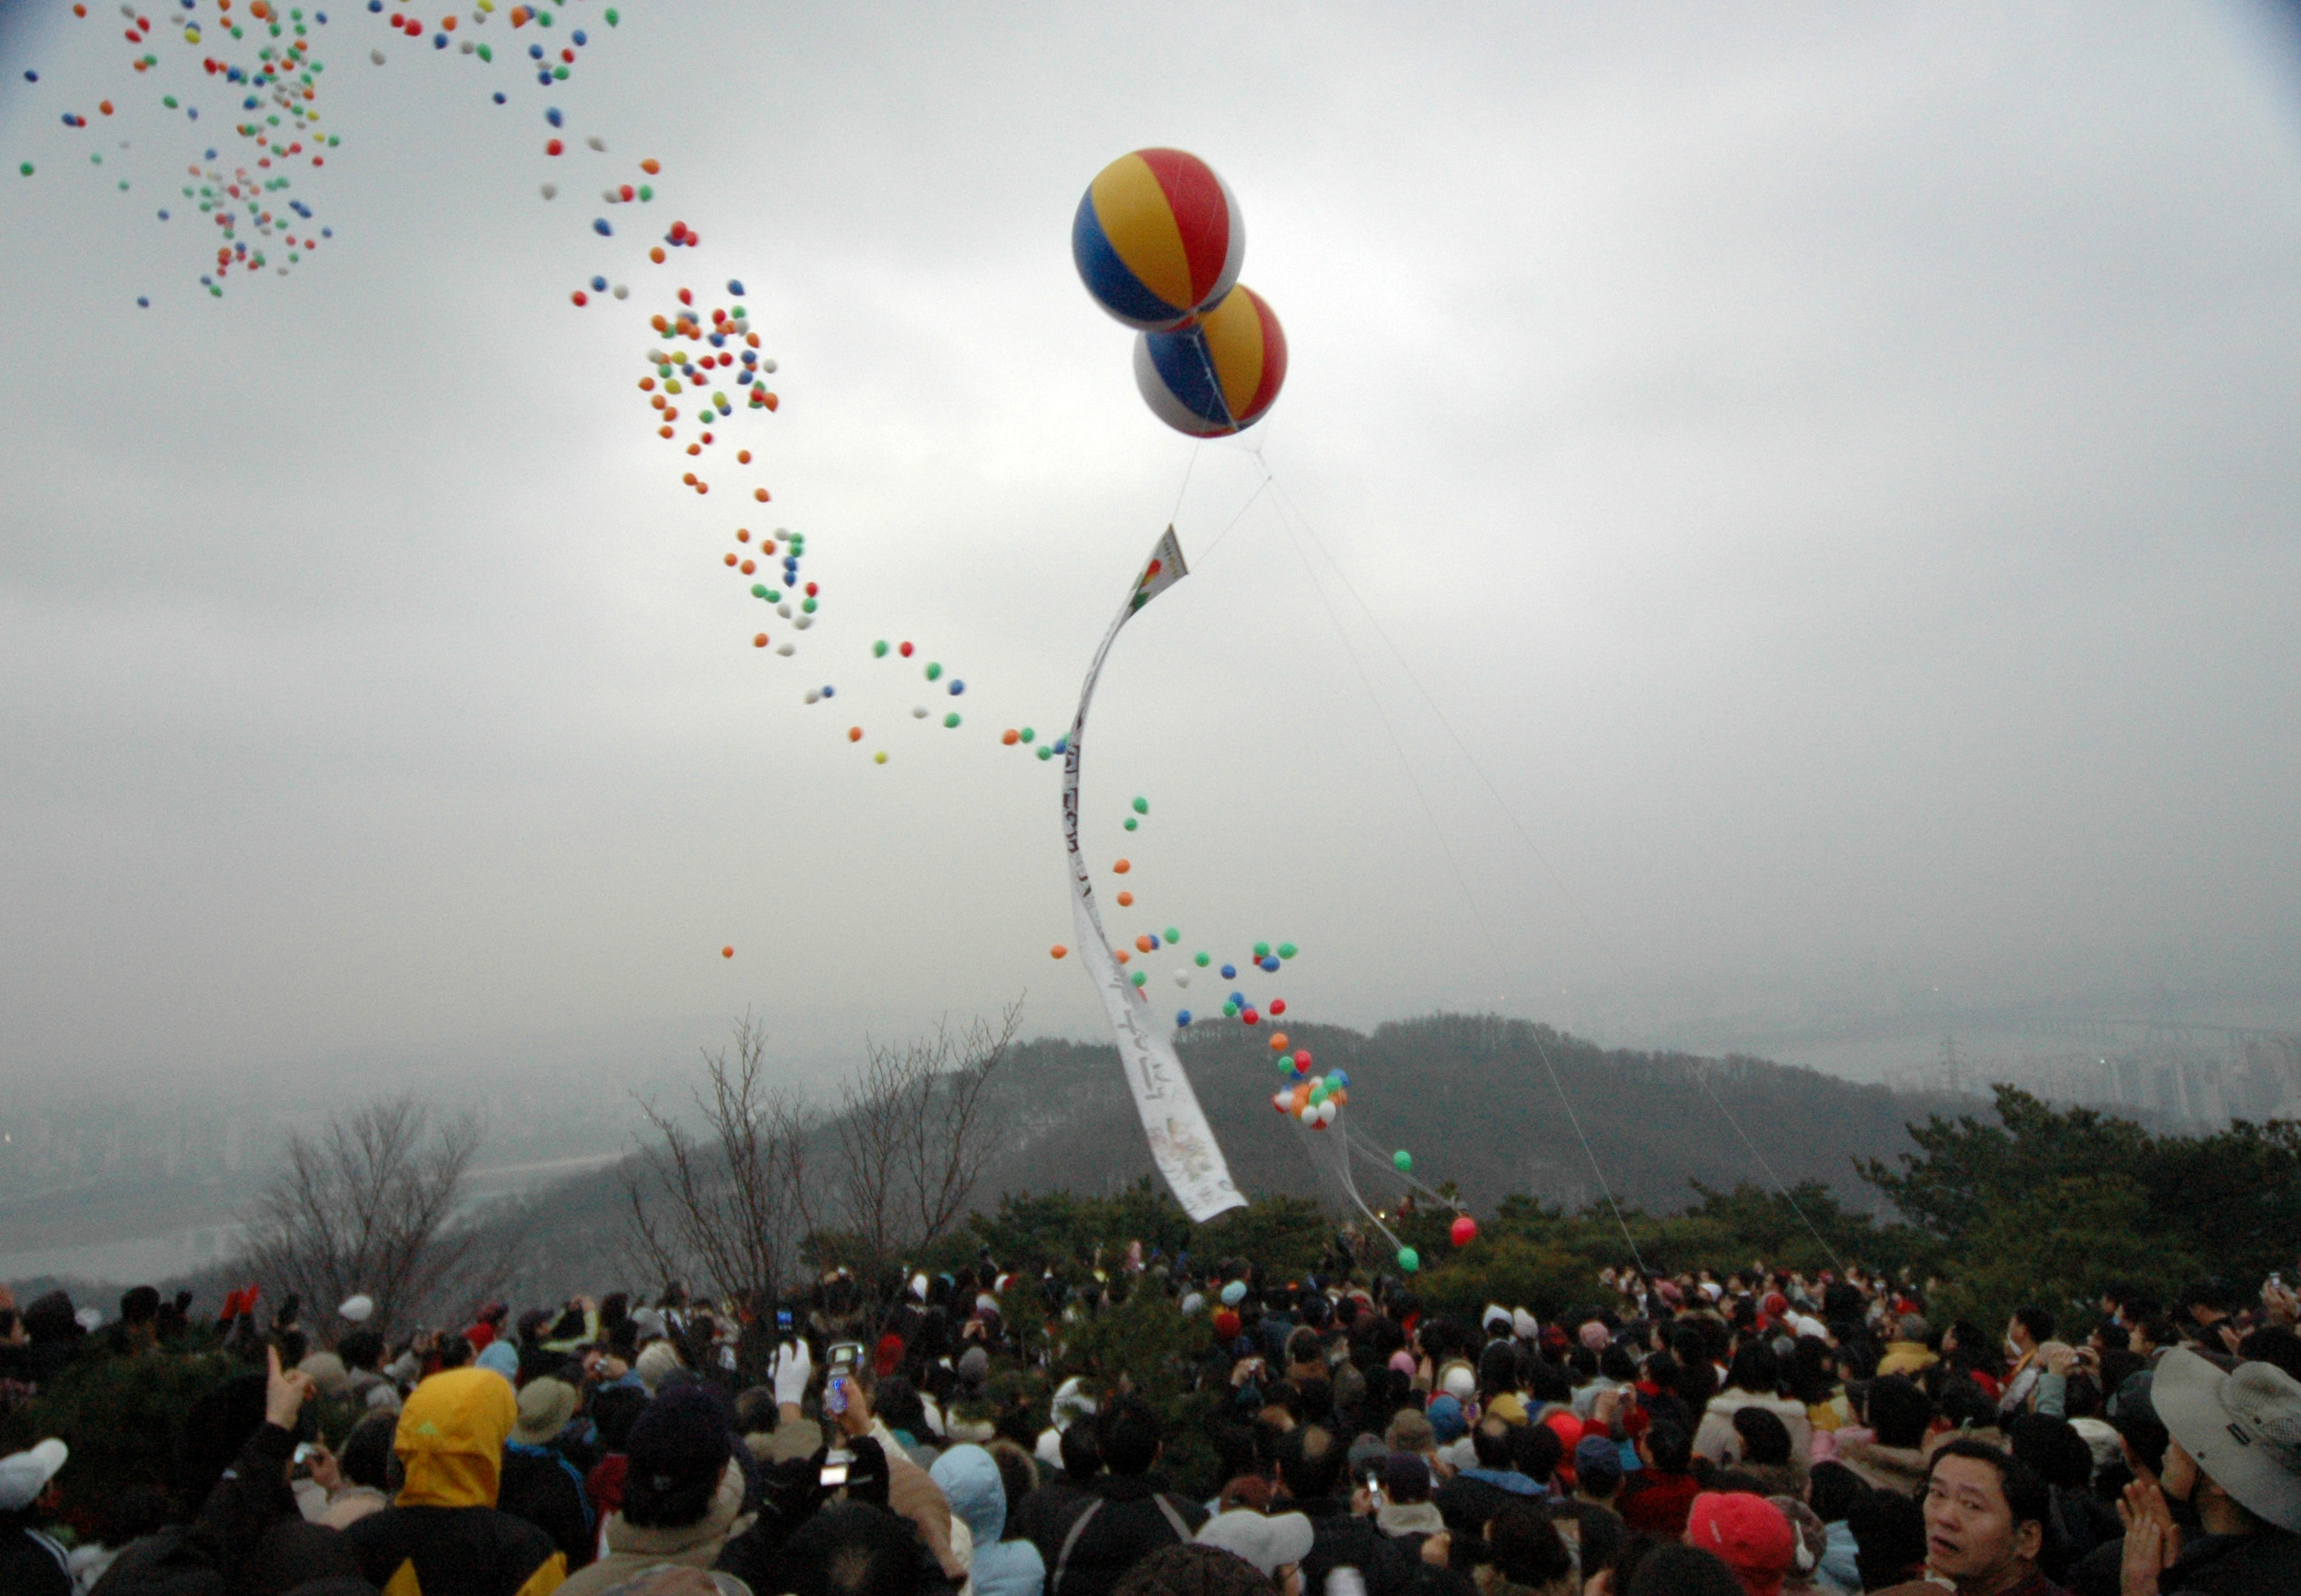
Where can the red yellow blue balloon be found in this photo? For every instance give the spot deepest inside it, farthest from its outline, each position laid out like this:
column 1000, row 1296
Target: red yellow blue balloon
column 1157, row 239
column 1218, row 375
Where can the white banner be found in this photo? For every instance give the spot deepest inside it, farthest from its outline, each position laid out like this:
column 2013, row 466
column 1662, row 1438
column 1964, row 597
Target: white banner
column 1181, row 1143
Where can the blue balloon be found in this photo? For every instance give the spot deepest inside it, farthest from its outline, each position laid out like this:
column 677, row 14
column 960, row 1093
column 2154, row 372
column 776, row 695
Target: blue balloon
column 1230, row 973
column 827, row 692
column 735, row 286
column 552, row 116
column 599, row 285
column 31, row 77
column 1270, row 962
column 1181, row 1016
column 142, row 303
column 599, row 226
column 500, row 97
column 956, row 686
column 375, row 5
column 579, row 39
column 1154, row 942
column 1239, row 999
column 438, row 41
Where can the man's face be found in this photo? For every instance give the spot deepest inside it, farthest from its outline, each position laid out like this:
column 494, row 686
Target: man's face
column 1970, row 1530
column 2179, row 1478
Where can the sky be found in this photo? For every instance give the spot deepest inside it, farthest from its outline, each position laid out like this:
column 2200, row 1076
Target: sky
column 1773, row 513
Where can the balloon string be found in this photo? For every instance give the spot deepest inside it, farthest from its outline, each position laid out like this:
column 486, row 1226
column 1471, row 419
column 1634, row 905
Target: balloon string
column 1188, row 467
column 1234, row 520
column 1589, row 925
column 1477, row 914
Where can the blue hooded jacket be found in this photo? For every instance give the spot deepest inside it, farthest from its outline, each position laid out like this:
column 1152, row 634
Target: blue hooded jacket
column 969, row 1480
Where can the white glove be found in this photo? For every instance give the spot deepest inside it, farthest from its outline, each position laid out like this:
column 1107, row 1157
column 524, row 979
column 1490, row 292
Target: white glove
column 793, row 1367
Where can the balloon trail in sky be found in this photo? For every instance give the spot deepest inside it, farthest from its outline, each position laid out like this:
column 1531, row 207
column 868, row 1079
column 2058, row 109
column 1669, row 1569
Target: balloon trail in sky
column 1158, row 240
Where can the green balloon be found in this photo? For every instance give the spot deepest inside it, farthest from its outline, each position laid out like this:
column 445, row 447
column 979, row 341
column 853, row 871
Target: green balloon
column 879, row 649
column 951, row 719
column 1046, row 753
column 1028, row 735
column 1262, row 950
column 1402, row 1159
column 613, row 16
column 1286, row 950
column 1130, row 822
column 808, row 605
column 1173, row 935
column 1140, row 977
column 1408, row 1260
column 933, row 671
column 1230, row 1011
column 1142, row 805
column 1318, row 1095
column 1203, row 960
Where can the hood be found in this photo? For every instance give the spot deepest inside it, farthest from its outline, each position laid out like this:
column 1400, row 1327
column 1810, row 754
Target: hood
column 451, row 1439
column 969, row 1478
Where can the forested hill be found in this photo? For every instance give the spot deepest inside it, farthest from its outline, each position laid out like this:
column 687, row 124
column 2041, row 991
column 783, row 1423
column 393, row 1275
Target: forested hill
column 1471, row 1099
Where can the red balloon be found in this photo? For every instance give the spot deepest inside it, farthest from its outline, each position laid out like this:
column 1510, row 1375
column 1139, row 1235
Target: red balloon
column 1463, row 1230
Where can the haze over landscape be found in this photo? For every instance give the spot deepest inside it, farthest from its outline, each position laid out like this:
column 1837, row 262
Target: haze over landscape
column 1833, row 469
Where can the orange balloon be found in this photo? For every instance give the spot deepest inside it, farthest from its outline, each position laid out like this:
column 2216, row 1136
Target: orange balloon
column 726, row 953
column 730, row 558
column 1126, row 900
column 1143, row 944
column 760, row 493
column 1278, row 1042
column 854, row 734
column 1010, row 736
column 1300, row 1095
column 1341, row 1095
column 742, row 534
column 656, row 255
column 759, row 640
column 742, row 456
column 663, row 431
column 1121, row 868
column 1123, row 956
column 650, row 166
column 1059, row 950
column 747, row 567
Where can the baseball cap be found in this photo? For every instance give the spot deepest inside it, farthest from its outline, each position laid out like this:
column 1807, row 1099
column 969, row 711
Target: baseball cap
column 1747, row 1534
column 24, row 1475
column 1269, row 1543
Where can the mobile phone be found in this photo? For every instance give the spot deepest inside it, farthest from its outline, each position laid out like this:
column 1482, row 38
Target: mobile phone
column 834, row 1474
column 844, row 1355
column 783, row 1319
column 305, row 1451
column 834, row 1398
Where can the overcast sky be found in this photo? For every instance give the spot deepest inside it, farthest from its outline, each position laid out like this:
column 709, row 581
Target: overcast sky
column 1835, row 468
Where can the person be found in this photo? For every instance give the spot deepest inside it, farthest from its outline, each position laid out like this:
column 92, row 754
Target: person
column 1747, row 1534
column 2233, row 1455
column 1475, row 1494
column 1656, row 1500
column 1985, row 1512
column 969, row 1478
column 1830, row 1491
column 443, row 1534
column 1753, row 1381
column 1908, row 1353
column 1889, row 1538
column 539, row 1483
column 1276, row 1543
column 1898, row 1413
column 852, row 1549
column 1194, row 1570
column 1311, row 1464
column 362, row 1471
column 32, row 1561
column 1405, row 1512
column 1597, row 1470
column 910, row 1494
column 1679, row 1570
column 682, row 1492
column 1130, row 1517
column 1063, row 1493
column 2030, row 1329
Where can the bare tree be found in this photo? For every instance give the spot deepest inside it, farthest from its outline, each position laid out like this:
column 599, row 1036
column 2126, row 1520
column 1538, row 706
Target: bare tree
column 368, row 1204
column 915, row 1126
column 724, row 1203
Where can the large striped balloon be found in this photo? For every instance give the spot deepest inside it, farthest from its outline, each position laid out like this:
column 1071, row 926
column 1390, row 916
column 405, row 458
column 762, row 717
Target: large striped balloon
column 1157, row 239
column 1218, row 375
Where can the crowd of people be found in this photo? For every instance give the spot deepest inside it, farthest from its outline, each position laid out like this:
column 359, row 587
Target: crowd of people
column 1746, row 1434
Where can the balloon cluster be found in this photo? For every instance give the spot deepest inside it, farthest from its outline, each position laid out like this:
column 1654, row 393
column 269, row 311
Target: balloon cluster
column 276, row 102
column 1158, row 241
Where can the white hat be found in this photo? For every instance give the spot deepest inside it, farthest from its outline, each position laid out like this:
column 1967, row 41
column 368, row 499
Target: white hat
column 1496, row 1315
column 1523, row 1325
column 919, row 1286
column 24, row 1475
column 90, row 1319
column 1071, row 1403
column 1269, row 1543
column 2244, row 1429
column 1459, row 1382
column 1050, row 1449
column 1806, row 1325
column 1193, row 1303
column 359, row 1307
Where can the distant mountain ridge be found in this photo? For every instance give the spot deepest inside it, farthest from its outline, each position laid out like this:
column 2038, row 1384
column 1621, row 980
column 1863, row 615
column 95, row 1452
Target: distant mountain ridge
column 1472, row 1098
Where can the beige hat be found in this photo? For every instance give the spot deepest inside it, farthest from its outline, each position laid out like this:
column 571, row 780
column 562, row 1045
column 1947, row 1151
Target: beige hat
column 327, row 1372
column 659, row 1359
column 545, row 1408
column 2244, row 1429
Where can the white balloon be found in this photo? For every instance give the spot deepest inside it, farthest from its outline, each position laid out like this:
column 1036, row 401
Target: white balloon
column 1182, row 978
column 918, row 712
column 376, row 56
column 813, row 696
column 551, row 191
column 786, row 649
column 785, row 610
